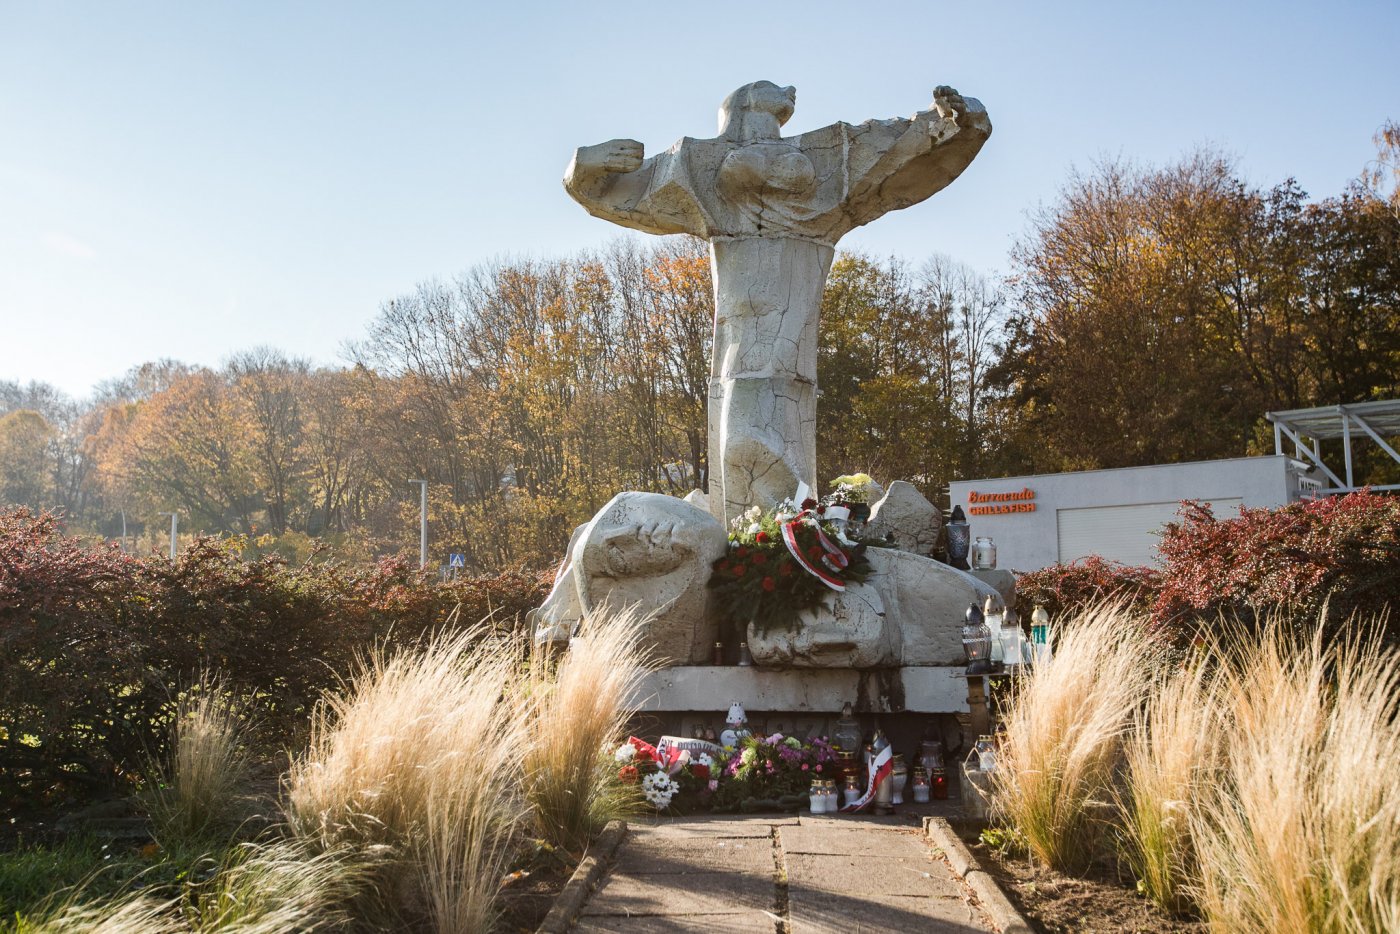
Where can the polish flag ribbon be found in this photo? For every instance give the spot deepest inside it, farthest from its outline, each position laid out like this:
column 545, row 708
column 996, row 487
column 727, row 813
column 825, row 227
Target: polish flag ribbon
column 833, row 559
column 880, row 768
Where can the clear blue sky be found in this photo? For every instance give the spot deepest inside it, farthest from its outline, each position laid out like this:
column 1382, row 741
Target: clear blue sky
column 190, row 179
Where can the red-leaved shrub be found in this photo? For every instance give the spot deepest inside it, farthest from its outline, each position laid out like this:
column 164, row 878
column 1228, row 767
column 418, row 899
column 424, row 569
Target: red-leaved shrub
column 1068, row 588
column 94, row 644
column 1343, row 551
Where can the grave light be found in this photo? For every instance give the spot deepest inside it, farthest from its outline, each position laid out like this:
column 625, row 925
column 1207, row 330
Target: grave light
column 977, row 641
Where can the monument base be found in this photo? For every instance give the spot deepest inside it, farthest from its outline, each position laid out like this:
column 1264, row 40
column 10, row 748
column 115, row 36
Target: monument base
column 924, row 689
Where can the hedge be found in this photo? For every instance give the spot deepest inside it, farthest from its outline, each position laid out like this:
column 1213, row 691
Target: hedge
column 1341, row 553
column 95, row 644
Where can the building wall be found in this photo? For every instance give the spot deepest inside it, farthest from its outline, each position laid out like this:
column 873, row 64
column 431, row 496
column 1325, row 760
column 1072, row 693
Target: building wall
column 1043, row 519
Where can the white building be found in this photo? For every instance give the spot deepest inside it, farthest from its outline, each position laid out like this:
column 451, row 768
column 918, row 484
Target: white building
column 1117, row 514
column 1040, row 520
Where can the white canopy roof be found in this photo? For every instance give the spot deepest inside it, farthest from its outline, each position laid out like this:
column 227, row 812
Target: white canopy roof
column 1376, row 420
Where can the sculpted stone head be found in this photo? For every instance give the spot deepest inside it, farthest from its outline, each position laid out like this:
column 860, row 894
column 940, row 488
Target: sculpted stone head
column 644, row 550
column 756, row 111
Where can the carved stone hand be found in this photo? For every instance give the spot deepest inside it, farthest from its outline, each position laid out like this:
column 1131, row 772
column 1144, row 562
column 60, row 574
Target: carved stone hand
column 615, row 156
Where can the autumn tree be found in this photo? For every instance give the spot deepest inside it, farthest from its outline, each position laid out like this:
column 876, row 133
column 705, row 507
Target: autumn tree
column 1163, row 311
column 186, row 448
column 1380, row 179
column 336, row 447
column 271, row 389
column 529, row 392
column 26, row 464
column 903, row 359
column 63, row 465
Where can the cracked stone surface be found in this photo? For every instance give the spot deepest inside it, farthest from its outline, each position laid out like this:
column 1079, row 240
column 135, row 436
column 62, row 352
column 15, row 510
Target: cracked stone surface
column 773, row 209
column 846, row 630
column 842, row 873
column 929, row 599
column 646, row 550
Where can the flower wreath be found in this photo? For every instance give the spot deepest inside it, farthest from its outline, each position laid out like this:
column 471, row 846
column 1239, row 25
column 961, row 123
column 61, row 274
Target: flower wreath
column 782, row 563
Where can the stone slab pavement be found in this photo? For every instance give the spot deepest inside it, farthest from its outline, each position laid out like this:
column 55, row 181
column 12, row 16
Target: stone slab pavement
column 785, row 875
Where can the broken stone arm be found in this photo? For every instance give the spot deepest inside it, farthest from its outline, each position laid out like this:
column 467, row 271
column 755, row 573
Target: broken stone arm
column 896, row 163
column 612, row 181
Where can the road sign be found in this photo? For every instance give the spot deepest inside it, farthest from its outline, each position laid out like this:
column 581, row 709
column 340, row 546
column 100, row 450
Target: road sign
column 458, row 560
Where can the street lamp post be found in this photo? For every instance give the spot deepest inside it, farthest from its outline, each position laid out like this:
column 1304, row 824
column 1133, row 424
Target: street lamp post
column 174, row 525
column 423, row 523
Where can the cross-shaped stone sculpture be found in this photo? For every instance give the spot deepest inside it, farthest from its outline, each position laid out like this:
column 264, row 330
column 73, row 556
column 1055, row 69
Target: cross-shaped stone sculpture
column 773, row 209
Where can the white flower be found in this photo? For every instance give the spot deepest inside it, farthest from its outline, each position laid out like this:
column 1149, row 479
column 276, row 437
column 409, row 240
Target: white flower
column 659, row 789
column 755, row 529
column 625, row 753
column 706, row 760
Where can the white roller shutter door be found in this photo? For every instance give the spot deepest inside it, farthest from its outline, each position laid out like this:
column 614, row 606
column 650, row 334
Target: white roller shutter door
column 1121, row 533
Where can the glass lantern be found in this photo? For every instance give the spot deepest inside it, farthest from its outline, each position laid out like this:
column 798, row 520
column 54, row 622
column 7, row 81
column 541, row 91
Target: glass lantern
column 853, row 791
column 899, row 777
column 1040, row 634
column 1011, row 638
column 977, row 642
column 984, row 553
column 920, row 785
column 959, row 539
column 846, row 736
column 986, row 753
column 931, row 754
column 992, row 612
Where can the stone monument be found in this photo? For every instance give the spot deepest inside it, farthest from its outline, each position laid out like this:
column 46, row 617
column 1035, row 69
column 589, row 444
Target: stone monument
column 772, row 209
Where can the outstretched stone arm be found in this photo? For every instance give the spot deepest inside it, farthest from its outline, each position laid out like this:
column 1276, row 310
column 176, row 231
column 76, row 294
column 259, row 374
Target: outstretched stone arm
column 893, row 164
column 612, row 181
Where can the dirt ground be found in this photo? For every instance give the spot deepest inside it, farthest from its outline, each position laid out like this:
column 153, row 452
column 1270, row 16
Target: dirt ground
column 529, row 894
column 1060, row 904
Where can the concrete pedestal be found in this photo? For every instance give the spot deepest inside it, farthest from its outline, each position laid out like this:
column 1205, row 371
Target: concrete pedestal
column 806, row 690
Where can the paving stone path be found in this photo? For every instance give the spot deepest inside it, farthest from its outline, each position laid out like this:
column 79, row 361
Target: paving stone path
column 795, row 875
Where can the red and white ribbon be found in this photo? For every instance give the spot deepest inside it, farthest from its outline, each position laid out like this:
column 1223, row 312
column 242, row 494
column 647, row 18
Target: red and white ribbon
column 880, row 768
column 833, row 559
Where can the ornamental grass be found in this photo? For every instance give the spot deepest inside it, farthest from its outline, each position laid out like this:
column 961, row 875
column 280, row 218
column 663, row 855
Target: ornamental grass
column 415, row 767
column 197, row 789
column 1300, row 829
column 275, row 887
column 132, row 914
column 582, row 703
column 1255, row 782
column 1168, row 765
column 1063, row 744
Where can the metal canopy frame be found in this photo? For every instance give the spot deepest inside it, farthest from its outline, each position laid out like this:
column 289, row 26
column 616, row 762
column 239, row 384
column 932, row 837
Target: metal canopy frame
column 1376, row 420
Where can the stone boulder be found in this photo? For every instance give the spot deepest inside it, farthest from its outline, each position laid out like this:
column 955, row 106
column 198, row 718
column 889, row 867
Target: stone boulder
column 908, row 612
column 928, row 599
column 908, row 516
